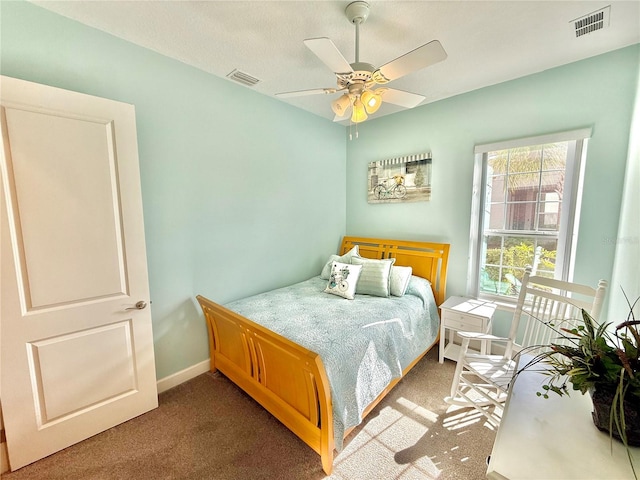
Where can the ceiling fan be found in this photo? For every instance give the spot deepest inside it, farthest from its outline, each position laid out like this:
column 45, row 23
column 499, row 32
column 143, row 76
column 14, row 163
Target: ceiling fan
column 357, row 80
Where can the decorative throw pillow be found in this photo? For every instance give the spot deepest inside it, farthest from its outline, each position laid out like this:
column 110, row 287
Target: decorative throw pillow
column 346, row 258
column 375, row 276
column 343, row 279
column 400, row 277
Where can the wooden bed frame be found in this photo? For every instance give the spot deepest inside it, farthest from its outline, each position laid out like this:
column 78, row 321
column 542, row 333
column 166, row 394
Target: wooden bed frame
column 287, row 379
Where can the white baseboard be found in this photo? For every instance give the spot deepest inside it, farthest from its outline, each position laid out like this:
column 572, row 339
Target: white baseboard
column 498, row 348
column 182, row 376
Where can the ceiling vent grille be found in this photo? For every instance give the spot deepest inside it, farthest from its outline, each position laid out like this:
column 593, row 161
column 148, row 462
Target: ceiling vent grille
column 592, row 22
column 243, row 78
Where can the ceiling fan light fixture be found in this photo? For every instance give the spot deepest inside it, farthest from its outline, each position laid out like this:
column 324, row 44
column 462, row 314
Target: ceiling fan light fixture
column 359, row 78
column 359, row 114
column 371, row 100
column 341, row 104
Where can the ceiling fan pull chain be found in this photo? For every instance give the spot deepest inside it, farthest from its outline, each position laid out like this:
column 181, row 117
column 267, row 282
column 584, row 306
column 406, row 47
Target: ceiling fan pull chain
column 350, row 131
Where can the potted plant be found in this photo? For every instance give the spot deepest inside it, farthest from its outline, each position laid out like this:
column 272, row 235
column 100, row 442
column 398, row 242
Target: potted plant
column 603, row 360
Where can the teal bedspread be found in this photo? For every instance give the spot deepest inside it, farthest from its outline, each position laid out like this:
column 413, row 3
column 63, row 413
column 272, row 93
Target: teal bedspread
column 363, row 343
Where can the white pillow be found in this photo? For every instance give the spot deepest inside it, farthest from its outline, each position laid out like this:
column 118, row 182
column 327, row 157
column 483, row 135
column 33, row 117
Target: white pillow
column 375, row 276
column 343, row 279
column 400, row 277
column 346, row 258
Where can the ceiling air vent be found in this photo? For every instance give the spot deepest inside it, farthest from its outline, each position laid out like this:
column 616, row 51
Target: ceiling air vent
column 243, row 78
column 592, row 22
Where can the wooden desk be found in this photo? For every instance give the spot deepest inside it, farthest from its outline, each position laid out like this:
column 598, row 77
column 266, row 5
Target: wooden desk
column 554, row 439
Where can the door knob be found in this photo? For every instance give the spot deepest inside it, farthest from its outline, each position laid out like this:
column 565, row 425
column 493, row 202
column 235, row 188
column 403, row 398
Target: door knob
column 141, row 305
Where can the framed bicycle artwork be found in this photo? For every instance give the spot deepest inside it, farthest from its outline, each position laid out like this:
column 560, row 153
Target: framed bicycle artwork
column 400, row 179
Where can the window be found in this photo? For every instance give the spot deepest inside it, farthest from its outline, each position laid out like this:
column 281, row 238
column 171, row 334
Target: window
column 524, row 213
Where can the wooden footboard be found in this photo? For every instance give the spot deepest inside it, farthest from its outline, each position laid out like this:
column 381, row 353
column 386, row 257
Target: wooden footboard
column 285, row 378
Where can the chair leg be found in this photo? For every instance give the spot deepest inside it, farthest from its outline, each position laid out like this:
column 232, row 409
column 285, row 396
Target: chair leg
column 481, row 406
column 456, row 376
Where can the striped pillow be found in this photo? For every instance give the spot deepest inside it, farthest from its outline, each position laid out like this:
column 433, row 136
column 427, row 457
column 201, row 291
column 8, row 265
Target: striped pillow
column 375, row 276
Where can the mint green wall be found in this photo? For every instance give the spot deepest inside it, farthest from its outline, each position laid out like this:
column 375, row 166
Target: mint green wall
column 598, row 92
column 238, row 188
column 241, row 192
column 626, row 269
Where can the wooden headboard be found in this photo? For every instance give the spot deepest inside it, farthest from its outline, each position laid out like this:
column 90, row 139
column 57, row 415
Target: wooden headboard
column 428, row 260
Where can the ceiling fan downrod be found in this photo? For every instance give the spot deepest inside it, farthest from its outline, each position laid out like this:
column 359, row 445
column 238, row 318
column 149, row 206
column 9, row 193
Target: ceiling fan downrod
column 356, row 83
column 357, row 13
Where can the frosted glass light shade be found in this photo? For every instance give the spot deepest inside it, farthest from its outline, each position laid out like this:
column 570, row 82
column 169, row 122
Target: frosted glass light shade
column 359, row 114
column 371, row 100
column 341, row 105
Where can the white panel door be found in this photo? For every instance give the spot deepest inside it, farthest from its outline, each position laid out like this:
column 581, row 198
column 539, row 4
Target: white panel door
column 76, row 340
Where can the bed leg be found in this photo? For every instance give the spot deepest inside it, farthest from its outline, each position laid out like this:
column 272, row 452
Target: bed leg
column 212, row 365
column 327, row 462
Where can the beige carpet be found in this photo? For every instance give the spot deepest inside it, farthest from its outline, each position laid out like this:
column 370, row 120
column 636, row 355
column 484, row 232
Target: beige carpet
column 207, row 428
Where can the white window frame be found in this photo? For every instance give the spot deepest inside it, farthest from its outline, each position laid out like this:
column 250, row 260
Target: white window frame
column 570, row 209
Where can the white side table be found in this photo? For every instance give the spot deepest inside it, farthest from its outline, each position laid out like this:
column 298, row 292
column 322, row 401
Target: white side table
column 461, row 314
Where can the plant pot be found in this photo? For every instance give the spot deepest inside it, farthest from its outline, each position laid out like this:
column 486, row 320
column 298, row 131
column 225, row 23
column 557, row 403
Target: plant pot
column 602, row 400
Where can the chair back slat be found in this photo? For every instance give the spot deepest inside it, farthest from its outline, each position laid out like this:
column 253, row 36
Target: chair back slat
column 547, row 305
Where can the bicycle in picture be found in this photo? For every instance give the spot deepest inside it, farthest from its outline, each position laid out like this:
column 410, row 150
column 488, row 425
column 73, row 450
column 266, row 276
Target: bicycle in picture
column 390, row 187
column 339, row 278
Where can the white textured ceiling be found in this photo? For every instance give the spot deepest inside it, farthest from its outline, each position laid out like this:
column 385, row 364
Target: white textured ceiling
column 487, row 42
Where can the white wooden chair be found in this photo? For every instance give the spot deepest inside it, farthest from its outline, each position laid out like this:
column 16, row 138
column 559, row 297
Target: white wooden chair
column 482, row 381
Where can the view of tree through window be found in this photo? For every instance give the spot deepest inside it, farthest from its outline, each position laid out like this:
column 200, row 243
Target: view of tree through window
column 522, row 207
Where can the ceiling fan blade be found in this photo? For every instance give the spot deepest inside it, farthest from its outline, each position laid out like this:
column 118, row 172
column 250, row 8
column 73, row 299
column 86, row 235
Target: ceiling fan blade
column 400, row 97
column 417, row 59
column 326, row 51
column 302, row 93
